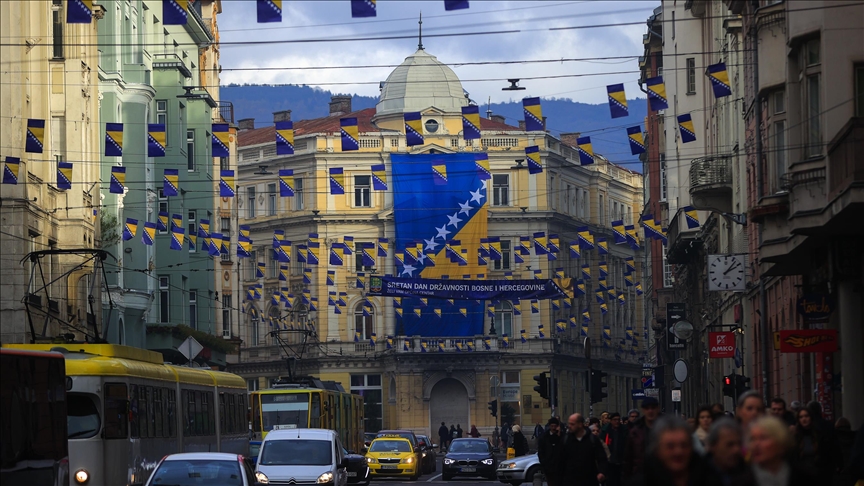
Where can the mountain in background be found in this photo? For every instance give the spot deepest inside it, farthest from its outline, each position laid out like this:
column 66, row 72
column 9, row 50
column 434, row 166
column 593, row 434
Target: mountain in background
column 608, row 136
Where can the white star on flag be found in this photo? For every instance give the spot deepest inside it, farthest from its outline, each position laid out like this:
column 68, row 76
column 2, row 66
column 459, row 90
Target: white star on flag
column 476, row 196
column 432, row 244
column 442, row 232
column 465, row 208
column 454, row 220
column 409, row 269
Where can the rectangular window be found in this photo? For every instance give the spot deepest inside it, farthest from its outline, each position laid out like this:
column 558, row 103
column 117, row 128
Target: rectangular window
column 779, row 152
column 369, row 387
column 358, row 258
column 58, row 21
column 252, row 384
column 813, row 116
column 663, row 191
column 273, row 271
column 299, row 203
column 226, row 316
column 250, row 202
column 504, row 262
column 162, row 115
column 190, row 150
column 164, row 300
column 193, row 309
column 500, row 189
column 271, row 199
column 859, row 90
column 181, row 124
column 691, row 75
column 667, row 270
column 362, row 191
column 191, row 228
column 116, row 412
column 226, row 237
column 224, row 163
column 778, row 99
column 252, row 265
column 601, row 210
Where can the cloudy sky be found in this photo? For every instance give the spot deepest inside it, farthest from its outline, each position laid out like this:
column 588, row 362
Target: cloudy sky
column 252, row 52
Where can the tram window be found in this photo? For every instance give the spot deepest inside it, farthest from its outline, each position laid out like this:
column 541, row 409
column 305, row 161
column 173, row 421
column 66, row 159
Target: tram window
column 206, row 414
column 315, row 413
column 223, row 407
column 143, row 413
column 82, row 416
column 158, row 411
column 172, row 413
column 230, row 422
column 134, row 411
column 116, row 411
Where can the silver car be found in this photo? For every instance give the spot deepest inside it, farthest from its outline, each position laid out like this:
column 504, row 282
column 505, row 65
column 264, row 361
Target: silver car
column 518, row 470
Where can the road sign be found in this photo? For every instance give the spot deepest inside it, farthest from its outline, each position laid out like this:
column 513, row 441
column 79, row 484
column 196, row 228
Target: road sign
column 652, row 392
column 190, row 348
column 680, row 370
column 676, row 395
column 637, row 393
column 647, row 381
column 721, row 344
column 675, row 312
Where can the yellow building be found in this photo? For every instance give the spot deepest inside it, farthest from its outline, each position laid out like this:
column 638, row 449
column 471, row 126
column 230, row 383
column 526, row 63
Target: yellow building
column 452, row 380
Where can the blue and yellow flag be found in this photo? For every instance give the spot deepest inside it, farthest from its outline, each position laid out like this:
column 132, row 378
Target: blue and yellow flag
column 559, row 272
column 692, row 217
column 575, row 250
column 455, row 4
column 603, row 267
column 556, row 304
column 170, row 183
column 586, row 239
column 630, row 263
column 604, row 308
column 533, row 115
column 437, row 312
column 618, row 231
column 632, row 236
column 204, row 233
column 586, row 271
column 363, row 8
column 286, row 182
column 656, row 93
column 541, row 331
column 719, row 80
column 259, row 270
column 685, row 125
column 523, row 336
column 368, row 254
column 312, row 252
column 535, row 163
column 156, row 140
column 285, row 138
column 337, row 254
column 617, row 100
column 64, row 176
column 269, row 11
column 580, row 288
column 350, row 134
column 373, row 338
column 130, row 229
column 629, row 280
column 176, row 221
column 463, row 312
column 79, row 11
column 379, row 177
column 553, row 244
column 481, row 161
column 177, row 238
column 413, row 129
column 175, row 12
column 113, row 136
column 470, row 122
column 637, row 142
column 215, row 247
column 162, row 221
column 10, row 170
column 517, row 308
column 639, row 290
column 652, row 229
column 602, row 246
column 621, row 299
column 495, row 252
column 337, row 181
column 538, row 274
column 586, row 315
column 540, row 243
column 35, row 136
column 586, row 151
column 118, row 180
column 220, row 140
column 598, row 295
column 441, row 345
column 148, row 236
column 439, row 175
column 383, row 247
column 560, row 325
column 226, row 183
column 535, row 306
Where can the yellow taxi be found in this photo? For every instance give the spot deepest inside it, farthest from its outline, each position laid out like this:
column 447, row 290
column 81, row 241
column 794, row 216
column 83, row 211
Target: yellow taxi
column 392, row 455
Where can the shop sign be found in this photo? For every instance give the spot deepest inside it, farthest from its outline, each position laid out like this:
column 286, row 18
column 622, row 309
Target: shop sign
column 815, row 307
column 721, row 344
column 808, row 341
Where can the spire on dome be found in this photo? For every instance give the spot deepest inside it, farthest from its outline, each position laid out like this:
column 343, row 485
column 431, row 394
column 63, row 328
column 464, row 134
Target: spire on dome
column 420, row 36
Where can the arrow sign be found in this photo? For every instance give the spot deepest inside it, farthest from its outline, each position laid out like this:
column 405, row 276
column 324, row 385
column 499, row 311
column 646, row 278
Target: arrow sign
column 675, row 312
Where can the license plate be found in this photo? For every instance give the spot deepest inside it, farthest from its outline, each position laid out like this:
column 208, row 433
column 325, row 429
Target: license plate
column 468, row 469
column 352, row 474
column 389, row 466
column 284, row 426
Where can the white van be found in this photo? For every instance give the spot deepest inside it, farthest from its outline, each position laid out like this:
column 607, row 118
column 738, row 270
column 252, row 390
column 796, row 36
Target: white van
column 301, row 456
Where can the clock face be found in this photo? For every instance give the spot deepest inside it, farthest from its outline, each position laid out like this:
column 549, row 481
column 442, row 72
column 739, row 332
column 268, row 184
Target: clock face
column 726, row 272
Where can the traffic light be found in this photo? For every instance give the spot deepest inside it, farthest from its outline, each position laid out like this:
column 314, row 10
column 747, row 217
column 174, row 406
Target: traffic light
column 729, row 383
column 493, row 408
column 542, row 385
column 597, row 386
column 742, row 384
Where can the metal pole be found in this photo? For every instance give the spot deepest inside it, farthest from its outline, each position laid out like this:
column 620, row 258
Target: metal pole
column 590, row 394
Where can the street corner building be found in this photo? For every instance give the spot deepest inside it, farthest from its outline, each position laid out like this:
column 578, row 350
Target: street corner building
column 423, row 187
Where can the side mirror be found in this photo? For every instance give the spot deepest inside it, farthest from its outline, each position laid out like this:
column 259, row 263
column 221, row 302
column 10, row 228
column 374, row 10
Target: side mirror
column 343, row 464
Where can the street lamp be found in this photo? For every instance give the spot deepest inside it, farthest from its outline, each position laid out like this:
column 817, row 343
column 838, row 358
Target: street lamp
column 492, row 327
column 683, row 330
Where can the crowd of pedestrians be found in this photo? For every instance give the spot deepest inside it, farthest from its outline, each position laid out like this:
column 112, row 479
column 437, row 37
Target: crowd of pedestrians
column 750, row 446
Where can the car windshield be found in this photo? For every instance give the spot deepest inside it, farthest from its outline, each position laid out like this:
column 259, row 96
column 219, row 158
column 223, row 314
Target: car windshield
column 198, row 472
column 390, row 446
column 469, row 446
column 254, row 449
column 404, row 435
column 296, row 452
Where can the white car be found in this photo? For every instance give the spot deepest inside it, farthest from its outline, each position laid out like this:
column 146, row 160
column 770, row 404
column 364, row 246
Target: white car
column 302, row 456
column 518, row 470
column 203, row 468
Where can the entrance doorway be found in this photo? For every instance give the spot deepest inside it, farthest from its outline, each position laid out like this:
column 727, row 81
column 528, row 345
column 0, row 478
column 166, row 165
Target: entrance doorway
column 448, row 403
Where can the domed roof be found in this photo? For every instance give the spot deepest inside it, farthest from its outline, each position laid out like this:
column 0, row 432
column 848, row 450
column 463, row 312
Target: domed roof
column 419, row 82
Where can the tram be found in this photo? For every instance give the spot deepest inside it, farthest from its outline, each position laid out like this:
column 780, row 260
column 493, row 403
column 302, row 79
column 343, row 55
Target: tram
column 127, row 410
column 33, row 447
column 309, row 404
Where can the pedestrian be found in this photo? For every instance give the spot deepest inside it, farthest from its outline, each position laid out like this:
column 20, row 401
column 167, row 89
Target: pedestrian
column 814, row 448
column 704, row 418
column 595, row 431
column 604, row 421
column 615, row 439
column 505, row 435
column 778, row 409
column 474, row 432
column 750, row 407
column 583, row 460
column 724, row 453
column 632, row 417
column 794, row 406
column 637, row 439
column 451, row 435
column 549, row 450
column 459, row 431
column 538, row 431
column 671, row 460
column 443, row 435
column 496, row 437
column 520, row 443
column 769, row 443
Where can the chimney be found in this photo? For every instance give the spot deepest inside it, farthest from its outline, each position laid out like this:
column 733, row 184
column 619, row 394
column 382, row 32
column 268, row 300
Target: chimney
column 499, row 119
column 246, row 124
column 340, row 105
column 522, row 125
column 280, row 116
column 570, row 138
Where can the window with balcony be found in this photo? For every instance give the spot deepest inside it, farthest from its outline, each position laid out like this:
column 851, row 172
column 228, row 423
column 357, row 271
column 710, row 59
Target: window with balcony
column 667, row 270
column 504, row 262
column 365, row 325
column 226, row 316
column 691, row 75
column 500, row 189
column 362, row 191
column 504, row 318
column 358, row 257
column 811, row 90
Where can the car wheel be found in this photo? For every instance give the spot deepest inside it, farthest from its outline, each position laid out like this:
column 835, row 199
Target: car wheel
column 516, row 483
column 529, row 476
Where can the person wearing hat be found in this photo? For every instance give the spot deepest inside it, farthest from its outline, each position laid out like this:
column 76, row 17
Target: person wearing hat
column 549, row 452
column 637, row 440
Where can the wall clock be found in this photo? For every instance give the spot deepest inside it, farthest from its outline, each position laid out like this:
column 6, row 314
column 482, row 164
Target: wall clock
column 726, row 272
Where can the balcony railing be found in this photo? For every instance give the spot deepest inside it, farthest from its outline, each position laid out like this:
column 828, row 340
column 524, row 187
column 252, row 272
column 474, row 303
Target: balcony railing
column 711, row 182
column 846, row 161
column 225, row 112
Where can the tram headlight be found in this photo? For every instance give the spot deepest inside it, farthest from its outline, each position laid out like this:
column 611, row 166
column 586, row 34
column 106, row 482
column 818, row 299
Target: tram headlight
column 82, row 476
column 262, row 478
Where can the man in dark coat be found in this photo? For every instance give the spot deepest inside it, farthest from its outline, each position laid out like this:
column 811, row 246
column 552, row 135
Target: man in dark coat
column 615, row 438
column 583, row 457
column 549, row 448
column 443, row 435
column 637, row 441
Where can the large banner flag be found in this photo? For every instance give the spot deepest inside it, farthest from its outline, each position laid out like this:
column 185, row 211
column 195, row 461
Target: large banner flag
column 533, row 115
column 617, row 100
column 685, row 125
column 269, row 11
column 113, row 139
column 337, row 181
column 637, row 142
column 226, row 183
column 220, row 140
column 350, row 134
column 285, row 138
column 35, row 136
column 442, row 222
column 656, row 93
column 175, row 12
column 535, row 163
column 363, row 8
column 470, row 122
column 156, row 140
column 413, row 129
column 586, row 151
column 286, row 182
column 455, row 4
column 10, row 170
column 422, row 289
column 719, row 80
column 64, row 176
column 379, row 177
column 79, row 11
column 118, row 180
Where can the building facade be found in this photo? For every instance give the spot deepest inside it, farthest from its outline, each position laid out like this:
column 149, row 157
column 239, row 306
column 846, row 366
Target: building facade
column 411, row 381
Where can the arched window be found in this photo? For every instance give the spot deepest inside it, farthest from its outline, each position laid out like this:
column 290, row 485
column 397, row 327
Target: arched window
column 364, row 321
column 504, row 318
